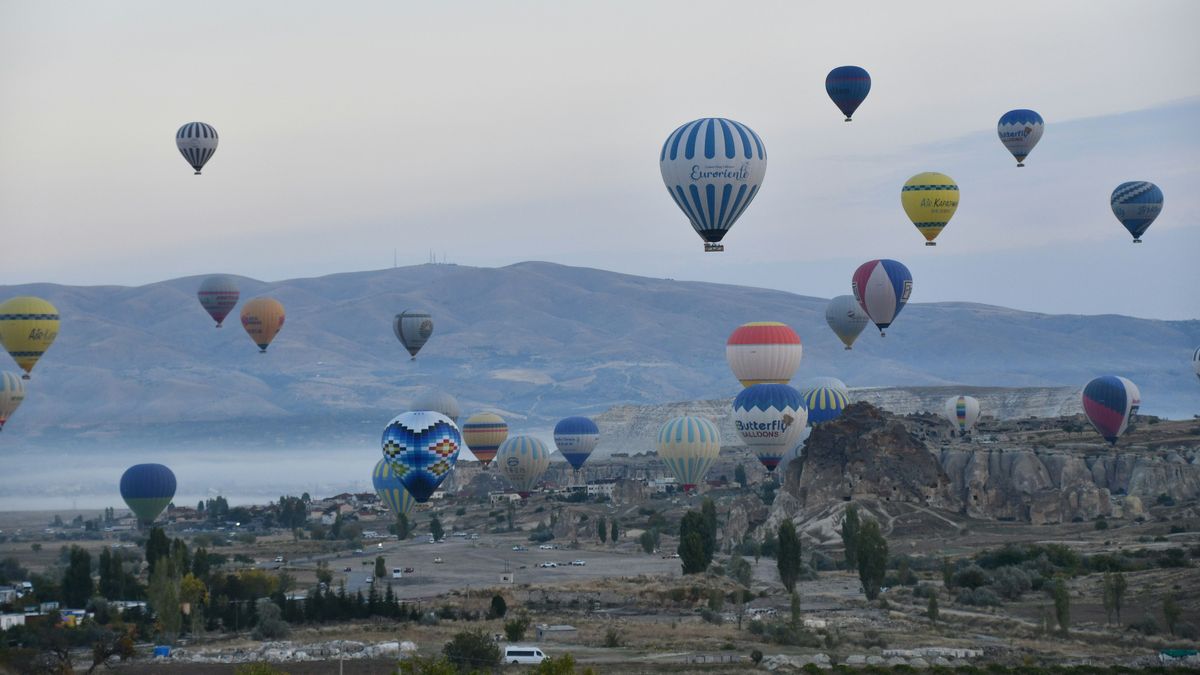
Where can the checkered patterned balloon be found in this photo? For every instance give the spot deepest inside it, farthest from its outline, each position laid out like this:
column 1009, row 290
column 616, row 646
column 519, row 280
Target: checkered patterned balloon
column 422, row 448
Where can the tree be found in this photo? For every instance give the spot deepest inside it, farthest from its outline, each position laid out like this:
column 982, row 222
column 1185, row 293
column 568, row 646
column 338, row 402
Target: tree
column 163, row 594
column 1062, row 605
column 740, row 571
column 110, row 575
column 739, row 475
column 510, row 511
column 403, row 527
column 158, row 546
column 77, row 586
column 1119, row 588
column 1171, row 612
column 514, row 628
column 194, row 594
column 647, row 541
column 871, row 551
column 788, row 558
column 850, row 528
column 380, row 567
column 271, row 625
column 708, row 511
column 1110, row 597
column 435, row 529
column 324, row 574
column 931, row 610
column 499, row 607
column 602, row 530
column 473, row 650
column 947, row 575
column 691, row 553
column 612, row 536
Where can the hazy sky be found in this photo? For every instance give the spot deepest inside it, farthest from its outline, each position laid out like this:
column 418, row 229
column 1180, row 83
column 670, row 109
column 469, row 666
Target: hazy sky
column 506, row 131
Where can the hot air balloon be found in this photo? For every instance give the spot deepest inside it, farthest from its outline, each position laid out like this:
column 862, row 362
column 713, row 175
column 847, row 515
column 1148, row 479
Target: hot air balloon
column 391, row 490
column 12, row 394
column 412, row 329
column 1136, row 204
column 881, row 288
column 848, row 86
column 575, row 438
column 930, row 200
column 28, row 327
column 825, row 403
column 483, row 433
column 1109, row 403
column 197, row 142
column 846, row 317
column 763, row 352
column 262, row 318
column 689, row 446
column 422, row 448
column 523, row 459
column 769, row 418
column 827, row 382
column 218, row 295
column 962, row 412
column 795, row 453
column 439, row 402
column 147, row 489
column 713, row 168
column 1196, row 362
column 1019, row 131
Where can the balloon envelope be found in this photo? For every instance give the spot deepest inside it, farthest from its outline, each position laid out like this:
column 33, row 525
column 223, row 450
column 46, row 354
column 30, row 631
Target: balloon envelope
column 1109, row 402
column 769, row 418
column 575, row 438
column 1196, row 362
column 847, row 318
column 147, row 489
column 390, row 489
column 1136, row 204
column 262, row 318
column 962, row 412
column 828, row 382
column 713, row 168
column 688, row 446
column 422, row 448
column 1019, row 131
column 848, row 86
column 12, row 394
column 523, row 459
column 438, row 401
column 28, row 326
column 825, row 403
column 197, row 142
column 930, row 200
column 763, row 352
column 218, row 295
column 483, row 433
column 882, row 288
column 412, row 329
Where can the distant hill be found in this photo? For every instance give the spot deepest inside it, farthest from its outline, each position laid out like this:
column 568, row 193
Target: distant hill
column 535, row 341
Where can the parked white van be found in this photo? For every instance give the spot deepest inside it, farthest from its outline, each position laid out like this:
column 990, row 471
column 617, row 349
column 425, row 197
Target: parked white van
column 520, row 654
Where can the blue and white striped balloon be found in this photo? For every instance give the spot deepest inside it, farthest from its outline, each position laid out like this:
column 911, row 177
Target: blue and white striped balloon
column 688, row 446
column 523, row 460
column 1136, row 204
column 1019, row 131
column 713, row 167
column 197, row 142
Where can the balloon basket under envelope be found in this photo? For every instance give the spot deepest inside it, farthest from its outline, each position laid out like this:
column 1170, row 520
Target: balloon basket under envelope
column 713, row 248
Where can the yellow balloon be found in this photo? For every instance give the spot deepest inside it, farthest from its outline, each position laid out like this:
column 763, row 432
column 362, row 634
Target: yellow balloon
column 930, row 200
column 28, row 326
column 262, row 318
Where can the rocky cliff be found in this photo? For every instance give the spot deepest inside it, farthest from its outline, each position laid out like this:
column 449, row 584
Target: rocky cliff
column 871, row 456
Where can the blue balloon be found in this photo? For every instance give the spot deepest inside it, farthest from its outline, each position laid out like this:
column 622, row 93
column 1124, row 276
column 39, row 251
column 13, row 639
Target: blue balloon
column 1136, row 204
column 848, row 86
column 713, row 168
column 1019, row 131
column 575, row 438
column 147, row 489
column 389, row 488
column 824, row 404
column 422, row 448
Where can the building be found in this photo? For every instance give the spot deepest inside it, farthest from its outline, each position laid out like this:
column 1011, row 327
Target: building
column 601, row 488
column 8, row 595
column 9, row 620
column 495, row 498
column 555, row 632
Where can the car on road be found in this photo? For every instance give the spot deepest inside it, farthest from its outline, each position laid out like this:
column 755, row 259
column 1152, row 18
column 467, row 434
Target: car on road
column 547, row 547
column 348, row 569
column 517, row 654
column 358, row 551
column 369, row 580
column 578, row 563
column 438, row 560
column 548, row 564
column 397, row 573
column 473, row 536
column 670, row 555
column 408, row 570
column 279, row 559
column 519, row 548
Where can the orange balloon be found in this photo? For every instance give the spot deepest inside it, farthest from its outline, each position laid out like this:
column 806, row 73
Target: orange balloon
column 262, row 318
